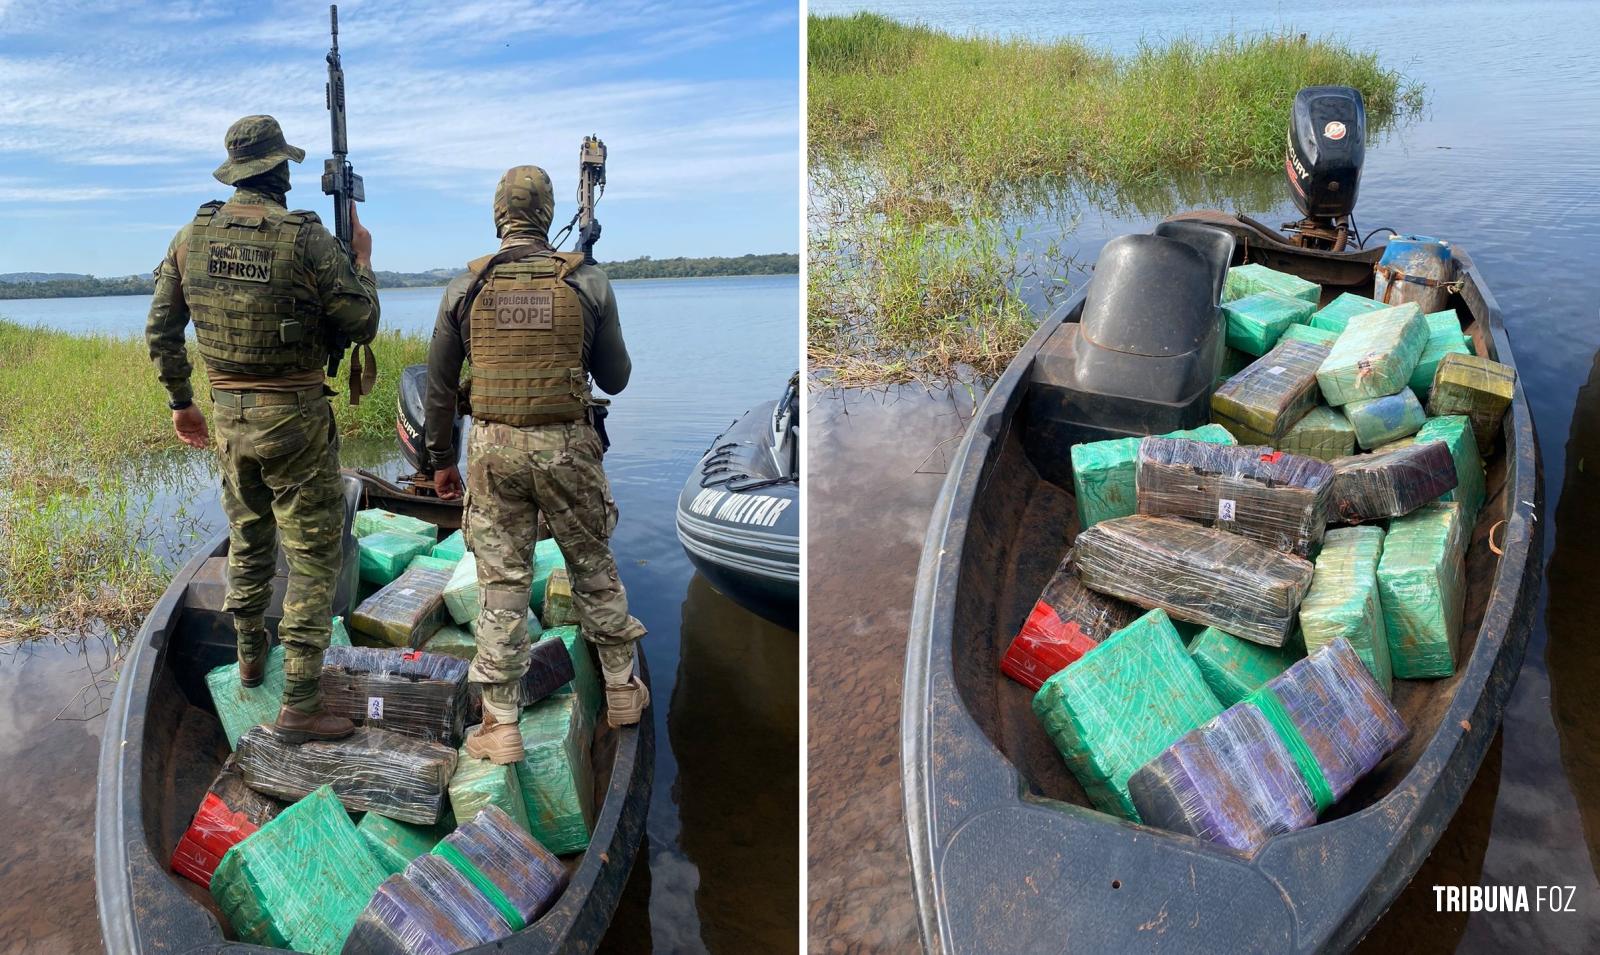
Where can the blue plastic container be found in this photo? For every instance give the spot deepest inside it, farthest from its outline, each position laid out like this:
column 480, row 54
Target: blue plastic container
column 1415, row 268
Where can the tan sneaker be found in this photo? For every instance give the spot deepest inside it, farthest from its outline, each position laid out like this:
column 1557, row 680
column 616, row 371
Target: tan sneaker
column 625, row 703
column 499, row 743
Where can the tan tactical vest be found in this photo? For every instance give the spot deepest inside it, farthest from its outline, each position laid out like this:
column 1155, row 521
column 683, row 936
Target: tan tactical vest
column 526, row 340
column 253, row 301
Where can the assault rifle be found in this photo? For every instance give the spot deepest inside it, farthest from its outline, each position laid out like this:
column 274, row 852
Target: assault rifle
column 340, row 181
column 591, row 186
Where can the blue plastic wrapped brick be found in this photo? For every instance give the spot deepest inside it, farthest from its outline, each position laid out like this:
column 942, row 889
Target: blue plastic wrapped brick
column 520, row 877
column 1345, row 718
column 1379, row 421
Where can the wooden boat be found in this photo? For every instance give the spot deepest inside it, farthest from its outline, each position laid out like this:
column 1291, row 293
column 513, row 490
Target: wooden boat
column 163, row 745
column 1008, row 856
column 412, row 496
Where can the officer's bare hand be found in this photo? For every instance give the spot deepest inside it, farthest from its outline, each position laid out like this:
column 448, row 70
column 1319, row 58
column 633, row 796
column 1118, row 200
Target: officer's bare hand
column 360, row 239
column 447, row 481
column 191, row 427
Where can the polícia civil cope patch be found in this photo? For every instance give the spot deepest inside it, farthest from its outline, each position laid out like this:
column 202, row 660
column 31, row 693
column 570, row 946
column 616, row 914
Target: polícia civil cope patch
column 525, row 311
column 240, row 262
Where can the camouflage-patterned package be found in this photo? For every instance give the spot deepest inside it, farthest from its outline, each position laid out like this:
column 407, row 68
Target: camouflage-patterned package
column 229, row 812
column 547, row 557
column 1273, row 498
column 1103, row 473
column 1066, row 622
column 373, row 770
column 556, row 610
column 1335, row 316
column 406, row 691
column 1231, row 781
column 394, row 843
column 1383, row 420
column 479, row 783
column 402, row 919
column 453, row 547
column 1257, row 321
column 1235, row 668
column 240, row 707
column 511, row 868
column 1324, row 433
column 1260, row 404
column 1390, row 482
column 1476, row 387
column 1344, row 602
column 386, row 554
column 1195, row 573
column 1374, row 356
column 406, row 612
column 1444, row 338
column 1310, row 334
column 1121, row 705
column 556, row 773
column 377, row 520
column 462, row 595
column 427, row 562
column 1456, row 432
column 585, row 682
column 1422, row 579
column 1248, row 279
column 300, row 881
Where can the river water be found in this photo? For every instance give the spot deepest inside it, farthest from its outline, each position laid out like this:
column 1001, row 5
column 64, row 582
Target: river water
column 722, row 867
column 1498, row 164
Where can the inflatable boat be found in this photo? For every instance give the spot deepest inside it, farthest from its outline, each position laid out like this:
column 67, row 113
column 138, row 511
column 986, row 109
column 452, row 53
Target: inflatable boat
column 739, row 512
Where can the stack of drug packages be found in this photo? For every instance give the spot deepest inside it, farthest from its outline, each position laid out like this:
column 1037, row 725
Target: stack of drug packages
column 394, row 839
column 1254, row 541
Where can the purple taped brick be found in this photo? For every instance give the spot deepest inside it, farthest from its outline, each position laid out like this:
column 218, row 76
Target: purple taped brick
column 524, row 872
column 1390, row 482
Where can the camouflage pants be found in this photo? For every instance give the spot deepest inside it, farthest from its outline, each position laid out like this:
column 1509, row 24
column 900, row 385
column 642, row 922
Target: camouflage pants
column 279, row 457
column 514, row 474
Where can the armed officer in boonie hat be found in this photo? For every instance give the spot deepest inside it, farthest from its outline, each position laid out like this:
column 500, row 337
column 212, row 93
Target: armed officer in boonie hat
column 264, row 287
column 537, row 325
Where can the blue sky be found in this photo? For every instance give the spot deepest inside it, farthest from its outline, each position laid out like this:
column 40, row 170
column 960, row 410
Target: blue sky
column 112, row 116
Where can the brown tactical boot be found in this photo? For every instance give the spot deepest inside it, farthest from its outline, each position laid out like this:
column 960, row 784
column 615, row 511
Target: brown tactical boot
column 625, row 703
column 294, row 726
column 499, row 743
column 250, row 674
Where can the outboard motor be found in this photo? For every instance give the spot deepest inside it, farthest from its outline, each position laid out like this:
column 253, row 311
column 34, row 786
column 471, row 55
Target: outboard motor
column 410, row 416
column 1327, row 145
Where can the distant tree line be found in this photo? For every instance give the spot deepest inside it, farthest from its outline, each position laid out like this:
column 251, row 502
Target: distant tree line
column 644, row 267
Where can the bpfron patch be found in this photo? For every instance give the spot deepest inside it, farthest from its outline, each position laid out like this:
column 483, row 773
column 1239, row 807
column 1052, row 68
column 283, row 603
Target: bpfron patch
column 240, row 262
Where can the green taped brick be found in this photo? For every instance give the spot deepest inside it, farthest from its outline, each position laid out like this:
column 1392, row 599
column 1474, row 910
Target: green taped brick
column 1249, row 279
column 547, row 556
column 1444, row 338
column 239, row 707
column 1476, row 387
column 453, row 547
column 1422, row 582
column 377, row 521
column 1309, row 333
column 557, row 610
column 406, row 612
column 556, row 775
column 1260, row 404
column 427, row 562
column 1103, row 473
column 1456, row 431
column 1256, row 321
column 1235, row 668
column 385, row 554
column 300, row 881
column 393, row 844
column 1336, row 315
column 1344, row 602
column 452, row 641
column 1379, row 421
column 478, row 784
column 1374, row 356
column 586, row 679
column 1121, row 704
column 1324, row 433
column 462, row 595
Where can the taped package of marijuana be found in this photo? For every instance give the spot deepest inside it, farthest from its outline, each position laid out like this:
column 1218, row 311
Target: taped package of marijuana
column 549, row 669
column 1198, row 574
column 478, row 783
column 1456, row 432
column 1235, row 668
column 453, row 547
column 1257, row 321
column 585, row 682
column 1476, row 387
column 394, row 843
column 557, row 608
column 1066, row 622
column 402, row 919
column 1335, row 316
column 510, row 868
column 547, row 557
column 1309, row 333
column 1324, row 433
column 1248, row 279
column 556, row 773
column 1103, row 473
column 1273, row 498
column 406, row 691
column 427, row 562
column 1260, row 404
column 375, row 770
column 386, row 554
column 464, row 902
column 1121, row 705
column 240, row 707
column 1422, row 579
column 1390, row 482
column 1374, row 356
column 452, row 641
column 462, row 595
column 1380, row 421
column 377, row 520
column 1444, row 338
column 1344, row 602
column 229, row 812
column 406, row 612
column 300, row 881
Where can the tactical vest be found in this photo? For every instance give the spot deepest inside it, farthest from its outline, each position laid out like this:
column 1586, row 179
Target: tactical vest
column 252, row 299
column 526, row 340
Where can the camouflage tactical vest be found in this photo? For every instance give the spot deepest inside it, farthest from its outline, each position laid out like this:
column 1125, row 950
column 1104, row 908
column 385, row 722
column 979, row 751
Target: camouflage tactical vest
column 253, row 302
column 526, row 339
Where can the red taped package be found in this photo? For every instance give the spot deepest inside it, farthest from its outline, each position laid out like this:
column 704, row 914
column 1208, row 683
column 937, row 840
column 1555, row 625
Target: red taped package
column 1067, row 621
column 229, row 812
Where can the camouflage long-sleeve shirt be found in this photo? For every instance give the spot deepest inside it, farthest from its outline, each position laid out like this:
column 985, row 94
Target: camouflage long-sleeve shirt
column 349, row 298
column 605, row 354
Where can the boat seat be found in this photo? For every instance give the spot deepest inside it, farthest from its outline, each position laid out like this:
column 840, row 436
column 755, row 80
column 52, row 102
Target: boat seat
column 1211, row 242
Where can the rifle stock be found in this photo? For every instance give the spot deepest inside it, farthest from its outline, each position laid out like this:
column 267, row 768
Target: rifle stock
column 340, row 181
